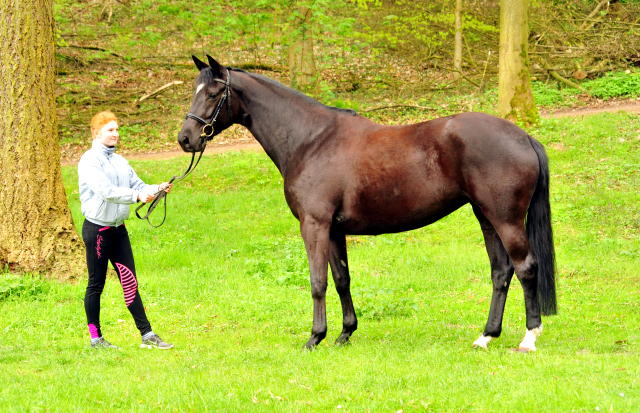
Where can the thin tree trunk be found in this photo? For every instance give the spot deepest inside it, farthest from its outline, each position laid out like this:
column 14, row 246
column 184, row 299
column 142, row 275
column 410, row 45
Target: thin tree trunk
column 37, row 233
column 515, row 99
column 457, row 57
column 302, row 64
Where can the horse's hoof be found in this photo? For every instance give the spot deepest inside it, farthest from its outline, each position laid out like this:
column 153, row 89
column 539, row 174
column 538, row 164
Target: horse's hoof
column 307, row 348
column 342, row 341
column 528, row 344
column 523, row 350
column 482, row 342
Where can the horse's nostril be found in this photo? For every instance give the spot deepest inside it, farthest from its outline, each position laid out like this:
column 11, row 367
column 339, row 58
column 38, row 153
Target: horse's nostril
column 184, row 139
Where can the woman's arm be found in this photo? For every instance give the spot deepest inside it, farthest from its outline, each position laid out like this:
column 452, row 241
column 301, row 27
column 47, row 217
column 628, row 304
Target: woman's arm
column 137, row 184
column 95, row 178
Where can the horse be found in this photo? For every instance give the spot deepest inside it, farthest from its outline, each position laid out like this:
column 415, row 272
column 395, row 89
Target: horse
column 347, row 175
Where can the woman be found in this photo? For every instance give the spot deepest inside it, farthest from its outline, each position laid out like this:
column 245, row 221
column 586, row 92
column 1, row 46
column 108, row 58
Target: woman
column 108, row 185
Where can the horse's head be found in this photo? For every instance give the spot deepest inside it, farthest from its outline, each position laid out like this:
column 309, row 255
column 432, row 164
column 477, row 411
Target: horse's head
column 211, row 109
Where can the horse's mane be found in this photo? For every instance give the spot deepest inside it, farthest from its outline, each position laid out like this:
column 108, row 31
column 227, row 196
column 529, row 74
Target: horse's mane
column 207, row 76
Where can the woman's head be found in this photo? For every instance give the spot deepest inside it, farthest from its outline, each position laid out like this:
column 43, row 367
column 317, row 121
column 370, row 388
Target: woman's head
column 104, row 128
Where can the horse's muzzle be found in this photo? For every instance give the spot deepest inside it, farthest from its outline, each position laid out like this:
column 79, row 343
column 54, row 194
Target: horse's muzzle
column 187, row 145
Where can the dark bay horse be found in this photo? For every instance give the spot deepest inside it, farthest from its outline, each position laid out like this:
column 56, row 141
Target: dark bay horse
column 347, row 175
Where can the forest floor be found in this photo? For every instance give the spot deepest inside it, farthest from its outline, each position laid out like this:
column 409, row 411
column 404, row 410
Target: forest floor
column 246, row 142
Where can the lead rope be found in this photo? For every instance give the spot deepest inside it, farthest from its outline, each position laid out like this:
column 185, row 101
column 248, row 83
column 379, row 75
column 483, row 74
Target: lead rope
column 161, row 194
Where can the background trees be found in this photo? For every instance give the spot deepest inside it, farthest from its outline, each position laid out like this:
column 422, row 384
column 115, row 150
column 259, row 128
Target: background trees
column 36, row 230
column 515, row 98
column 364, row 51
column 403, row 61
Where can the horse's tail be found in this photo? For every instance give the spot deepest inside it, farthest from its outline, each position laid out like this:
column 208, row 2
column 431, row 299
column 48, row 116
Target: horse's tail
column 540, row 234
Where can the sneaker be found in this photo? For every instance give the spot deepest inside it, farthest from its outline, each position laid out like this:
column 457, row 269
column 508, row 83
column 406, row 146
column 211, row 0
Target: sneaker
column 155, row 342
column 102, row 343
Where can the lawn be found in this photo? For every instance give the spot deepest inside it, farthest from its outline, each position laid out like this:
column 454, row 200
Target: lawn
column 226, row 281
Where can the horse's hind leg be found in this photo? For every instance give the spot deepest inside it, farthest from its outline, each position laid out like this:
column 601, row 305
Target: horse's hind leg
column 340, row 272
column 515, row 240
column 501, row 274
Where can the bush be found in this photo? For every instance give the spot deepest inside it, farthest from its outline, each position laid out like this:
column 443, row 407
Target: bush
column 615, row 84
column 545, row 96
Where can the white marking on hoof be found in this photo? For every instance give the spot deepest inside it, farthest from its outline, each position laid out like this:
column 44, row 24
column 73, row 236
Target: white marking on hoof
column 529, row 341
column 482, row 342
column 200, row 86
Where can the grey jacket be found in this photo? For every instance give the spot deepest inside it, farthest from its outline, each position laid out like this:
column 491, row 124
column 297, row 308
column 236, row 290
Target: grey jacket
column 108, row 185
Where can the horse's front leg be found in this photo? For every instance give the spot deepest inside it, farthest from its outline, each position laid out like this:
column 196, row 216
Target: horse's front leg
column 316, row 240
column 340, row 272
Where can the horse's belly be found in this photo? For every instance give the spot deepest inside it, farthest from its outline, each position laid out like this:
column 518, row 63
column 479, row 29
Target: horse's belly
column 378, row 215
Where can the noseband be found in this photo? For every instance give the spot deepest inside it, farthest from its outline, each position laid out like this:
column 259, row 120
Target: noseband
column 207, row 133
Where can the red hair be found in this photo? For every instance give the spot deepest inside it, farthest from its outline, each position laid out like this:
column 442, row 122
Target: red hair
column 101, row 119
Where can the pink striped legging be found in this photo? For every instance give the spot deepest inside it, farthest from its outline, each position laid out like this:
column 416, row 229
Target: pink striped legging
column 106, row 244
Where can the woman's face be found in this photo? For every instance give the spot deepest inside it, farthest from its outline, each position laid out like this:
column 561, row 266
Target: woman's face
column 108, row 135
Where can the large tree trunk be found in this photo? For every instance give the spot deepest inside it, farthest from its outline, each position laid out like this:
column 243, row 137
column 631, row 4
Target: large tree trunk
column 457, row 56
column 515, row 99
column 37, row 233
column 302, row 64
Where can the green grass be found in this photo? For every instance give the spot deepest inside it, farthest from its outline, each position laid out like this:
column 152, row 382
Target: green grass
column 225, row 280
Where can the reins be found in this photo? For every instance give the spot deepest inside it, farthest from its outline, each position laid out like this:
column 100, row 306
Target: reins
column 207, row 133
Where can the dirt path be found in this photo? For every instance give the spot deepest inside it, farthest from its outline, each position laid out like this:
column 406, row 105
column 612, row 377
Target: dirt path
column 253, row 146
column 629, row 105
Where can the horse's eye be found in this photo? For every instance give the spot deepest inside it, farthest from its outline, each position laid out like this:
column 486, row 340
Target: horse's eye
column 212, row 96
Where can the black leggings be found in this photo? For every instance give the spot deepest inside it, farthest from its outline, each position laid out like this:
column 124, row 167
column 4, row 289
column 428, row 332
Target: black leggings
column 106, row 244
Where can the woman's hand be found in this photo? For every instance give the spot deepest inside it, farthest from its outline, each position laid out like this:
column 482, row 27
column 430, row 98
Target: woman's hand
column 166, row 187
column 146, row 196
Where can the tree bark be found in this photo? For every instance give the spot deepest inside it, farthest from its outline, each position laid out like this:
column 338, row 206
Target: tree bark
column 457, row 56
column 37, row 233
column 302, row 64
column 515, row 99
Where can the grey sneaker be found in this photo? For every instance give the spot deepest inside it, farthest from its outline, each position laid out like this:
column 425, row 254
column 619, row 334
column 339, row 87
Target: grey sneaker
column 102, row 343
column 155, row 342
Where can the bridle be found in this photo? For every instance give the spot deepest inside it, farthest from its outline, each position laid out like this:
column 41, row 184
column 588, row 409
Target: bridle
column 207, row 133
column 207, row 129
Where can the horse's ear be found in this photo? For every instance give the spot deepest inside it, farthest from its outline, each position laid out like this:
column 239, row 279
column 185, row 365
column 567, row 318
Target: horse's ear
column 199, row 63
column 215, row 66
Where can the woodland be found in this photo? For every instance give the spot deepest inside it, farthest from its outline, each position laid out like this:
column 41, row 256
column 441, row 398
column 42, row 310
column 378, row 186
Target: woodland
column 392, row 60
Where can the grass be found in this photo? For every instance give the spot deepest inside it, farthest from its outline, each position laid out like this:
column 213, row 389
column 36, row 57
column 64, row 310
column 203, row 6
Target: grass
column 225, row 280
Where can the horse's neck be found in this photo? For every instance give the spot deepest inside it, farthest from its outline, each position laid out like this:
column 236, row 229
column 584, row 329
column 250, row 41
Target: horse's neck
column 280, row 120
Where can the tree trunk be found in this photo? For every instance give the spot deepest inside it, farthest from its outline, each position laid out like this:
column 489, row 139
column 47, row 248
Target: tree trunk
column 37, row 233
column 515, row 99
column 302, row 64
column 457, row 56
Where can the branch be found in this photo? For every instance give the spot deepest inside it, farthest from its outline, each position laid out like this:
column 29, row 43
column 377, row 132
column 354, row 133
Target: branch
column 557, row 76
column 75, row 46
column 399, row 106
column 160, row 89
column 465, row 77
column 585, row 25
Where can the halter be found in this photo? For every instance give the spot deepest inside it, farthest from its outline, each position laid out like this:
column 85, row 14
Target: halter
column 207, row 133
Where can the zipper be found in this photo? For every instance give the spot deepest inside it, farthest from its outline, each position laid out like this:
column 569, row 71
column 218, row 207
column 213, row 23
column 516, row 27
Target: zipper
column 118, row 184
